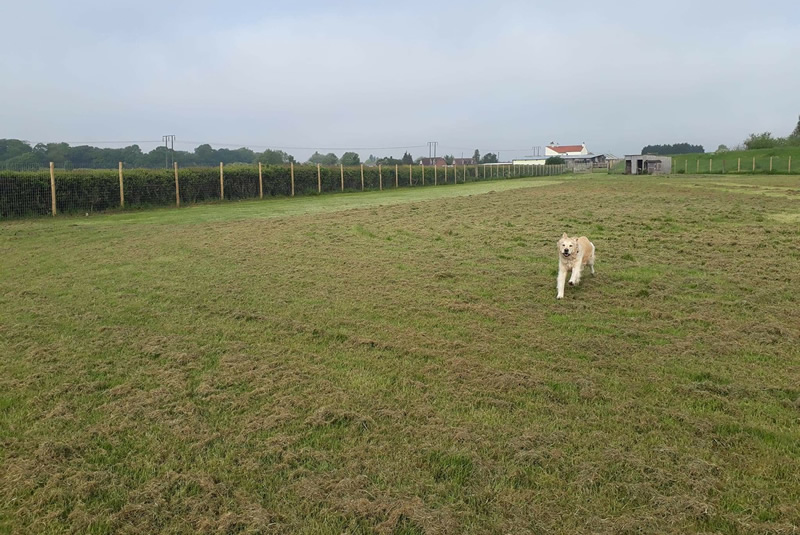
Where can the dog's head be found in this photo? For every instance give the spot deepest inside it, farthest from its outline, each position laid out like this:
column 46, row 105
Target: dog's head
column 567, row 246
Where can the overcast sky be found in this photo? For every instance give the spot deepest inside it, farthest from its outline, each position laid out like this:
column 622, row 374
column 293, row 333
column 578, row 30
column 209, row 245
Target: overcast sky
column 365, row 75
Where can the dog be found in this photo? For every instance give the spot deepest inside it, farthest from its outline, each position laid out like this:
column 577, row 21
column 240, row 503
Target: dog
column 573, row 254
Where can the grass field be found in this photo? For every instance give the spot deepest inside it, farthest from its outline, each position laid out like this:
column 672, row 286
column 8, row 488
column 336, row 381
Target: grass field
column 740, row 161
column 397, row 363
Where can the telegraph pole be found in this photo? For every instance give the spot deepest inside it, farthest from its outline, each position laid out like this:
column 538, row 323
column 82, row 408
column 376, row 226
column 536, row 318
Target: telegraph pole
column 169, row 149
column 432, row 144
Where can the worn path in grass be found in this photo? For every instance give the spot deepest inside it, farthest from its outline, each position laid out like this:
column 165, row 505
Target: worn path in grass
column 404, row 367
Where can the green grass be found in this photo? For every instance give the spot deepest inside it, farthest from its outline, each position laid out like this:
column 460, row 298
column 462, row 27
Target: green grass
column 397, row 362
column 739, row 161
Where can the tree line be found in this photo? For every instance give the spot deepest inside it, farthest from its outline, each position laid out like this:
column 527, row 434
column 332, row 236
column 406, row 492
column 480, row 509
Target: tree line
column 15, row 153
column 765, row 140
column 677, row 148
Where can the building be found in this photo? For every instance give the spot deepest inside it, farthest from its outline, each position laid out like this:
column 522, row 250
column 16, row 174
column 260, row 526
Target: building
column 438, row 161
column 463, row 161
column 647, row 164
column 565, row 150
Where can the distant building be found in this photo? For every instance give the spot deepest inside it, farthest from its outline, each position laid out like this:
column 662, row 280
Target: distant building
column 647, row 164
column 438, row 161
column 464, row 161
column 565, row 150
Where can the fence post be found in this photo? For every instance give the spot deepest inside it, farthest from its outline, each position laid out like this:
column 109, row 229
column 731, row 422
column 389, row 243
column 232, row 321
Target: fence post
column 790, row 165
column 291, row 171
column 738, row 165
column 319, row 180
column 177, row 189
column 770, row 164
column 754, row 164
column 221, row 183
column 464, row 177
column 260, row 182
column 423, row 173
column 380, row 177
column 341, row 173
column 686, row 166
column 445, row 172
column 455, row 174
column 53, row 187
column 484, row 171
column 410, row 169
column 435, row 175
column 396, row 176
column 697, row 166
column 121, row 190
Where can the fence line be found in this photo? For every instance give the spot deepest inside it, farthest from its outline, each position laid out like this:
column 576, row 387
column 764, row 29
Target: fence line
column 53, row 191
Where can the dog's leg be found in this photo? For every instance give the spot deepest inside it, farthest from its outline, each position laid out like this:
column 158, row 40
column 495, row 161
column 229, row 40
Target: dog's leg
column 576, row 272
column 562, row 278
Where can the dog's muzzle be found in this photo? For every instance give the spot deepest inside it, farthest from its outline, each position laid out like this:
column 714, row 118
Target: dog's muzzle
column 566, row 253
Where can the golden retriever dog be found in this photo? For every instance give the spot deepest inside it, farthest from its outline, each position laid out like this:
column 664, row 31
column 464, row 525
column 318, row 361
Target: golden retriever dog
column 573, row 254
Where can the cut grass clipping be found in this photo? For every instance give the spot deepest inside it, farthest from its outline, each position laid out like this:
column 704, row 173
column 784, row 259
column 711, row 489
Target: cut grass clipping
column 397, row 363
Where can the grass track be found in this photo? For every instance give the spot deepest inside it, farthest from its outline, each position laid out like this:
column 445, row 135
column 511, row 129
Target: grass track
column 398, row 363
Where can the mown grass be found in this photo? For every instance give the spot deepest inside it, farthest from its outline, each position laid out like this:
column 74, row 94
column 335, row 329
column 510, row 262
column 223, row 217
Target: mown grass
column 397, row 363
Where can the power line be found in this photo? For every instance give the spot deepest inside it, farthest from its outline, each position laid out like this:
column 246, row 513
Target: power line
column 297, row 148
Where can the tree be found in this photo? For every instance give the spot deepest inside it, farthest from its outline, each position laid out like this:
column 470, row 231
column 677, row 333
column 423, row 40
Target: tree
column 350, row 158
column 555, row 160
column 677, row 148
column 796, row 132
column 722, row 148
column 388, row 160
column 372, row 160
column 761, row 141
column 476, row 157
column 449, row 159
column 489, row 157
column 327, row 159
column 273, row 157
column 407, row 159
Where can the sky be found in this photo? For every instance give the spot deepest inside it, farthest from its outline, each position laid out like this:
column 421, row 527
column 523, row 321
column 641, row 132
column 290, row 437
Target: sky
column 383, row 78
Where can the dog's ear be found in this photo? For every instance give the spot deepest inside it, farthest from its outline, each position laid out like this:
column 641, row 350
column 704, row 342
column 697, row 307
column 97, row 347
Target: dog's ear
column 564, row 236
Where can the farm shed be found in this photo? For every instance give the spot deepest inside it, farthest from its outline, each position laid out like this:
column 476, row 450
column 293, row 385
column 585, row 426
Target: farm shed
column 647, row 164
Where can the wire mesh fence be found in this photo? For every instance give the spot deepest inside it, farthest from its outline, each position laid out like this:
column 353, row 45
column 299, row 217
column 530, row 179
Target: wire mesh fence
column 38, row 192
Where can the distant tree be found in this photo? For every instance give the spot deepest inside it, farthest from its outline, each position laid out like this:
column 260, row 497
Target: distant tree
column 677, row 148
column 273, row 157
column 722, row 148
column 407, row 159
column 388, row 160
column 372, row 160
column 489, row 157
column 449, row 159
column 555, row 160
column 796, row 132
column 350, row 158
column 761, row 141
column 327, row 159
column 476, row 157
column 11, row 148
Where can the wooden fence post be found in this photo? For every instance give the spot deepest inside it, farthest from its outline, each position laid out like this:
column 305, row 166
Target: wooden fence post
column 709, row 164
column 362, row 177
column 738, row 165
column 260, row 182
column 380, row 177
column 790, row 165
column 464, row 177
column 423, row 173
column 396, row 176
column 770, row 164
column 319, row 180
column 121, row 188
column 754, row 164
column 177, row 188
column 341, row 173
column 445, row 172
column 53, row 187
column 484, row 171
column 697, row 166
column 476, row 171
column 685, row 166
column 455, row 174
column 221, row 183
column 291, row 172
column 410, row 169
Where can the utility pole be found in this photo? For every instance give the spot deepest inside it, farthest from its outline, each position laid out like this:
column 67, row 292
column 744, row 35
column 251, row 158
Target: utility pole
column 432, row 144
column 169, row 149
